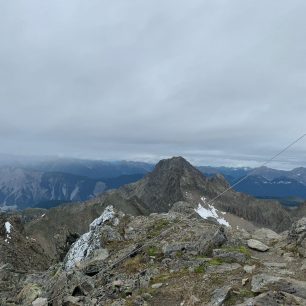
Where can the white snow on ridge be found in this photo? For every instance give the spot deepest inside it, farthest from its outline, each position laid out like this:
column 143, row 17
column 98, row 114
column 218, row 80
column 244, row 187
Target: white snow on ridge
column 211, row 212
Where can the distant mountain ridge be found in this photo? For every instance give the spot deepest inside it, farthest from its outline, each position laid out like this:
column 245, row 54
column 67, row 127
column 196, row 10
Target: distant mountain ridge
column 43, row 182
column 47, row 183
column 95, row 169
column 265, row 182
column 298, row 174
column 27, row 188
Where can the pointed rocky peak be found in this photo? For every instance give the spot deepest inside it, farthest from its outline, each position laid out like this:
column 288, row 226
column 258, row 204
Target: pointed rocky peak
column 176, row 165
column 168, row 183
column 173, row 162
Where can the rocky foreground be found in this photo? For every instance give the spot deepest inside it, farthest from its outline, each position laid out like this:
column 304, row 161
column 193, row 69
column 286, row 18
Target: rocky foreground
column 174, row 258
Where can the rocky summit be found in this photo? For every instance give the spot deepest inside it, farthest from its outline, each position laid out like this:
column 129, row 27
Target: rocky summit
column 159, row 241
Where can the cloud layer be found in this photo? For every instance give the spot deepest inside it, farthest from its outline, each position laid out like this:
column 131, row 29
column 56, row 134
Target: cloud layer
column 220, row 82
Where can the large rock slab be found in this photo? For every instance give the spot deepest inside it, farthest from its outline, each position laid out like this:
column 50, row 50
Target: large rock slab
column 257, row 245
column 264, row 282
column 223, row 268
column 274, row 298
column 229, row 256
column 208, row 241
column 220, row 295
column 40, row 302
column 266, row 236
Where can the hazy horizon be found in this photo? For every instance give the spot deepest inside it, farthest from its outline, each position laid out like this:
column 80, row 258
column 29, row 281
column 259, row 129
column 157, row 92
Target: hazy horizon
column 11, row 159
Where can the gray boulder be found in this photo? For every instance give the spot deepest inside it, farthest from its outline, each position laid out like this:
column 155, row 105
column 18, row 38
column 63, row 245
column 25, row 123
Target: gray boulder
column 171, row 248
column 220, row 295
column 229, row 256
column 40, row 302
column 257, row 245
column 249, row 269
column 209, row 241
column 267, row 236
column 274, row 298
column 264, row 282
column 297, row 236
column 228, row 267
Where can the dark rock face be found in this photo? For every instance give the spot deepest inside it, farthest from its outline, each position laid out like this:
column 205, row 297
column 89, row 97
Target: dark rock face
column 167, row 184
column 18, row 250
column 261, row 212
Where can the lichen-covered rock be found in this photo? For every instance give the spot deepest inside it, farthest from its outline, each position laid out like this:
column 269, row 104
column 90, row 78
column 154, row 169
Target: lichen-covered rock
column 297, row 236
column 249, row 269
column 28, row 294
column 264, row 282
column 223, row 268
column 229, row 255
column 220, row 295
column 274, row 298
column 209, row 241
column 40, row 302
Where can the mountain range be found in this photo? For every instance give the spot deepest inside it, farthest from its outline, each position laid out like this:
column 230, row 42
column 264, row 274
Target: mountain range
column 172, row 180
column 289, row 187
column 49, row 182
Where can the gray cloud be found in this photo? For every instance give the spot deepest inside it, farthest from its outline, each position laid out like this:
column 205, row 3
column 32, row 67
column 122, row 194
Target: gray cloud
column 218, row 81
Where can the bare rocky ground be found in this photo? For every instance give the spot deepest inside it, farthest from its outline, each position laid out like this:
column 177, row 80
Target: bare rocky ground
column 168, row 259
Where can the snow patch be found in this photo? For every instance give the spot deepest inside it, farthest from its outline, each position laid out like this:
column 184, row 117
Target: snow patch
column 211, row 212
column 8, row 229
column 74, row 193
column 64, row 190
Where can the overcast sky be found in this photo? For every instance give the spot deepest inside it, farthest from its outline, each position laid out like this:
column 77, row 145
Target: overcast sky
column 219, row 82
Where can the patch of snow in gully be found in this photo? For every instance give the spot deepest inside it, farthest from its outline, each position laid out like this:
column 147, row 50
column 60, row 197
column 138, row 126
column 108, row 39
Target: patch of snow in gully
column 8, row 229
column 210, row 212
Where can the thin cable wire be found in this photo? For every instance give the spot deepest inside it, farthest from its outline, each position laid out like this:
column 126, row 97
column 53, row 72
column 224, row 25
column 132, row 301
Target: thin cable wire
column 190, row 215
